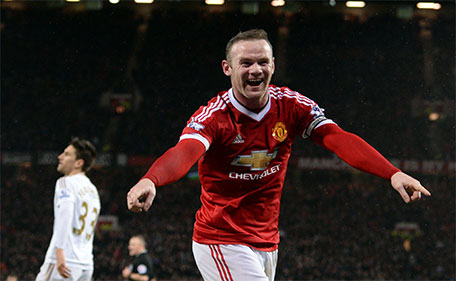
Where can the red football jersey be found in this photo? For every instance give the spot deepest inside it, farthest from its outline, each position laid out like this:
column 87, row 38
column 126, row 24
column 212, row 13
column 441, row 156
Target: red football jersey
column 243, row 170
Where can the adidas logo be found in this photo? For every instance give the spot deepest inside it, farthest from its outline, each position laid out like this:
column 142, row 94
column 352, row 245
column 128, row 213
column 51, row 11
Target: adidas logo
column 238, row 139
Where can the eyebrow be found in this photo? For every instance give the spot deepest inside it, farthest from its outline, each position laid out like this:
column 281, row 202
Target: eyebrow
column 256, row 59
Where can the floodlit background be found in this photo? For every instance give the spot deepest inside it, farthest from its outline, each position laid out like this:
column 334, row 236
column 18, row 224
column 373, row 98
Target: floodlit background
column 127, row 76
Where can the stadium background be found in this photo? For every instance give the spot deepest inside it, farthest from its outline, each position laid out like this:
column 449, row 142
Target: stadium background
column 128, row 76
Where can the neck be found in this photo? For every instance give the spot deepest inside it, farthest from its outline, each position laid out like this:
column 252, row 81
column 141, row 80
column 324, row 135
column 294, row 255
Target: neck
column 75, row 172
column 253, row 105
column 141, row 252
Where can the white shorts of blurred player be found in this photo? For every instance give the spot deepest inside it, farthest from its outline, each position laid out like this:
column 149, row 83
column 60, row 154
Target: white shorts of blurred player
column 48, row 272
column 234, row 262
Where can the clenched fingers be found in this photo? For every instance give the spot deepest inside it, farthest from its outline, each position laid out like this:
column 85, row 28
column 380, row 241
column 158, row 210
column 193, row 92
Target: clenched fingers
column 141, row 196
column 133, row 201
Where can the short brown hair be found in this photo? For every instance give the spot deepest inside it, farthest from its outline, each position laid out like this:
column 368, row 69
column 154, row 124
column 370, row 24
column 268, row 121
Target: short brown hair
column 85, row 151
column 141, row 238
column 252, row 34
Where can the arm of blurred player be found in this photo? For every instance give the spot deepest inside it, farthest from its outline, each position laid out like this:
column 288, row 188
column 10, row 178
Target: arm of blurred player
column 359, row 154
column 61, row 265
column 63, row 218
column 170, row 167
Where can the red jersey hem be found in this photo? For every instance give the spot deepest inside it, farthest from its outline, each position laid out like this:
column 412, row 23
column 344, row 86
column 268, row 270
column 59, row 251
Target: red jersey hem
column 257, row 246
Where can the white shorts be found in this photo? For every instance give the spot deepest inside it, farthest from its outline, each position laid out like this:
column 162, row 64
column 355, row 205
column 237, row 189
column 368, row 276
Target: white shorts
column 234, row 262
column 48, row 272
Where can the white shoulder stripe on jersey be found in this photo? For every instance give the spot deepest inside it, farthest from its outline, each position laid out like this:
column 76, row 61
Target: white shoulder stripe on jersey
column 226, row 97
column 318, row 122
column 299, row 96
column 208, row 110
column 294, row 95
column 301, row 100
column 289, row 93
column 219, row 107
column 198, row 137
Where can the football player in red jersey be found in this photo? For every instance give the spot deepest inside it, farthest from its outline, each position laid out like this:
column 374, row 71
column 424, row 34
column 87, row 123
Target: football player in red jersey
column 242, row 141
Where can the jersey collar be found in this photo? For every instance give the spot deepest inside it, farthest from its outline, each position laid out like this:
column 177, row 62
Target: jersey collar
column 143, row 252
column 255, row 116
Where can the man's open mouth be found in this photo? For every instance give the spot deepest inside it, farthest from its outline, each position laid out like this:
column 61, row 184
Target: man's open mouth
column 254, row 82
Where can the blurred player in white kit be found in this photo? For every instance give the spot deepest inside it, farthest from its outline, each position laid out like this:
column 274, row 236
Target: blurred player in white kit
column 76, row 209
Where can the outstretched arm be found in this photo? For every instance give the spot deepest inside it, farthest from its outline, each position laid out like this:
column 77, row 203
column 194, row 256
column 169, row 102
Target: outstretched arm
column 359, row 154
column 170, row 167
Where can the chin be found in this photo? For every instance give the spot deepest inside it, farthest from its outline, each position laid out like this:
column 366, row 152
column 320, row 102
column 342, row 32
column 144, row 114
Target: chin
column 255, row 94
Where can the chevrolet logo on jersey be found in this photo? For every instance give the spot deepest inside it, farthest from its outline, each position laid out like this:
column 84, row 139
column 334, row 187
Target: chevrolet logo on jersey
column 258, row 160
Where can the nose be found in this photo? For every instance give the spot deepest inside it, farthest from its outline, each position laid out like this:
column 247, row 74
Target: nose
column 255, row 69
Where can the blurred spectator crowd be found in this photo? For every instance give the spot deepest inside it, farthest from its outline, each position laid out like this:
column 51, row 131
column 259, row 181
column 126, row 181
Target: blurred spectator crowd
column 62, row 71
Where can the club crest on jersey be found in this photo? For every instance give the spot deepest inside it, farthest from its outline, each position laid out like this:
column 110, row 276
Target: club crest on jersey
column 279, row 132
column 195, row 126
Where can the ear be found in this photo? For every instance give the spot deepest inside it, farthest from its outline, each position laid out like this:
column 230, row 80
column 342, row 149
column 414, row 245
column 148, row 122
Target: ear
column 226, row 68
column 273, row 65
column 79, row 164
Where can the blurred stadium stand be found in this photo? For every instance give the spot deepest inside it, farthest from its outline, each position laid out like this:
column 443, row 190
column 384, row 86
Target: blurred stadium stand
column 128, row 77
